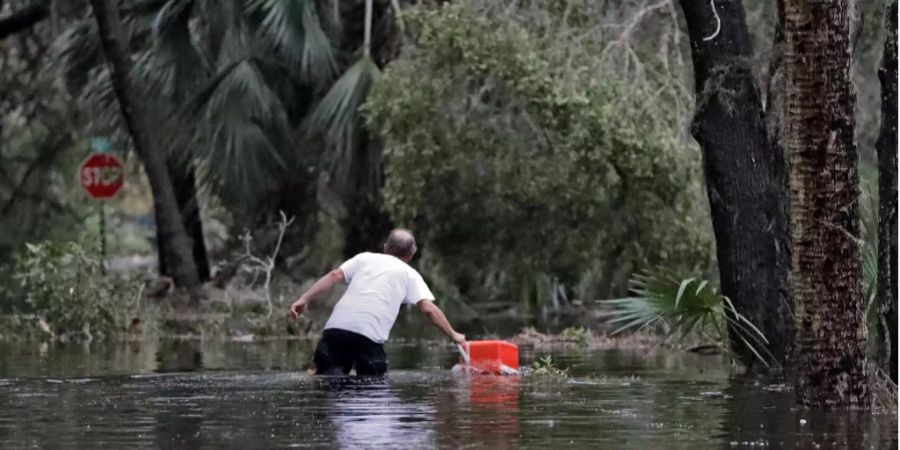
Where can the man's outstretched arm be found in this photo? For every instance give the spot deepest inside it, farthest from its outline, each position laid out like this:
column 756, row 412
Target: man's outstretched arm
column 321, row 285
column 437, row 317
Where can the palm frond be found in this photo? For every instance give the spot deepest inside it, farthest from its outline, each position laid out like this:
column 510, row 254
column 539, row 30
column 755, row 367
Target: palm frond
column 687, row 305
column 247, row 131
column 171, row 16
column 99, row 94
column 174, row 64
column 338, row 116
column 874, row 320
column 77, row 51
column 293, row 29
column 870, row 269
column 869, row 233
column 196, row 103
column 739, row 320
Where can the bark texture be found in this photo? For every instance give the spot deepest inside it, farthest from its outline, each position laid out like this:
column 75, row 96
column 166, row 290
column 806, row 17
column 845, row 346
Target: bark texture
column 176, row 248
column 825, row 263
column 775, row 84
column 887, row 195
column 745, row 172
column 186, row 194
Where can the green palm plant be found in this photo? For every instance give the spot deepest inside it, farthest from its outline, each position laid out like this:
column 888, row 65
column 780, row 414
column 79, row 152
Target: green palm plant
column 293, row 29
column 252, row 126
column 254, row 52
column 338, row 116
column 869, row 235
column 246, row 85
column 684, row 306
column 877, row 326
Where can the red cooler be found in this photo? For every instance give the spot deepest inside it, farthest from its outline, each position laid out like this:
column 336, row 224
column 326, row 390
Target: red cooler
column 493, row 356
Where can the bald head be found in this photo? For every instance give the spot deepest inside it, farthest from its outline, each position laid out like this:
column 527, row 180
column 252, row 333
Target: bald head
column 400, row 243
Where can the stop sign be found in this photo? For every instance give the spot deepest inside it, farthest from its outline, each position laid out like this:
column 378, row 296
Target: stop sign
column 101, row 175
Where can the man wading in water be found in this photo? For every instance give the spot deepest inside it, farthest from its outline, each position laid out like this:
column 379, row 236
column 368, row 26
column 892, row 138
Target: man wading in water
column 361, row 320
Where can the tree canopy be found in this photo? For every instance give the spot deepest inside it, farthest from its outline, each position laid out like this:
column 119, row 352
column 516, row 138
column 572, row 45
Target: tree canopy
column 505, row 144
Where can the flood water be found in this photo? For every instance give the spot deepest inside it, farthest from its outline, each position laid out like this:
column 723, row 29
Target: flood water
column 189, row 394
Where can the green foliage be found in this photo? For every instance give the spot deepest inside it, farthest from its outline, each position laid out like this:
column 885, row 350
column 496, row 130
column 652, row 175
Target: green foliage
column 877, row 326
column 684, row 306
column 241, row 112
column 63, row 285
column 545, row 368
column 37, row 200
column 578, row 335
column 236, row 83
column 292, row 27
column 497, row 152
column 338, row 114
column 869, row 250
column 17, row 328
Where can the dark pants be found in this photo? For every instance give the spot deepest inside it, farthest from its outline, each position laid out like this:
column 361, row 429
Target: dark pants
column 340, row 350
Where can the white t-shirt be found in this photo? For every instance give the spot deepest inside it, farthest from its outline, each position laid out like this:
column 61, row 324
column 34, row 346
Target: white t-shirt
column 379, row 284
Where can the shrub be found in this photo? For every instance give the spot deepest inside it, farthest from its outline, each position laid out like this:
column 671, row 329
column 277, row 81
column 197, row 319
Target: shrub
column 545, row 368
column 577, row 335
column 64, row 286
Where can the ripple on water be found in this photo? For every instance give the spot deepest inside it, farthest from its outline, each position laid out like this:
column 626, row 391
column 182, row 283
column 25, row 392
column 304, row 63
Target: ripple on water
column 610, row 400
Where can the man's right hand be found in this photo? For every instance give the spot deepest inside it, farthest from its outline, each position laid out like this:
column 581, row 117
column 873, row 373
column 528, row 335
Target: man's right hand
column 321, row 285
column 298, row 308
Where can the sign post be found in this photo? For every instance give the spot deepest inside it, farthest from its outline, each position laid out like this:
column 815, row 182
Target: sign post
column 101, row 175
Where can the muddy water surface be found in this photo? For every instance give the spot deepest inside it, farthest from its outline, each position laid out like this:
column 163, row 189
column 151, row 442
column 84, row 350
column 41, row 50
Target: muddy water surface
column 258, row 395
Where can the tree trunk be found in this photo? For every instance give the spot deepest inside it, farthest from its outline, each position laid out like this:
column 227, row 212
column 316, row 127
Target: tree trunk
column 825, row 262
column 186, row 194
column 745, row 172
column 188, row 74
column 775, row 85
column 176, row 248
column 887, row 195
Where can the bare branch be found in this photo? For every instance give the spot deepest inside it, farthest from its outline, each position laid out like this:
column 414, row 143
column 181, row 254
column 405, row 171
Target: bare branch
column 712, row 4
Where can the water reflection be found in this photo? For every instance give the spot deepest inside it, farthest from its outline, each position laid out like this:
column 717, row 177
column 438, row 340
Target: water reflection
column 763, row 412
column 368, row 413
column 494, row 404
column 179, row 356
column 192, row 394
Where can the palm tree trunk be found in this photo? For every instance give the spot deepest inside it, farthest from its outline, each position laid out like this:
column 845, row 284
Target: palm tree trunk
column 176, row 248
column 186, row 193
column 825, row 260
column 887, row 195
column 189, row 75
column 745, row 172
